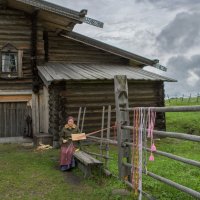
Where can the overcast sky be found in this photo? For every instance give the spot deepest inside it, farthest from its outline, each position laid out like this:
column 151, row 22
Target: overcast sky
column 168, row 30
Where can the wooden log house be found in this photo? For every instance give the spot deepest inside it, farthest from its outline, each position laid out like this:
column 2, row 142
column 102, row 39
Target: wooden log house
column 47, row 71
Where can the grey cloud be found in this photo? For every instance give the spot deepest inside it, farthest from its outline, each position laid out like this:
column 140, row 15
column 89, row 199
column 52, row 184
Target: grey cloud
column 186, row 72
column 135, row 27
column 100, row 9
column 172, row 4
column 181, row 34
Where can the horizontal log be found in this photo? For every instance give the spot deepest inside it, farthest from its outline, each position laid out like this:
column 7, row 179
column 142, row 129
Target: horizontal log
column 182, row 136
column 180, row 187
column 178, row 158
column 170, row 109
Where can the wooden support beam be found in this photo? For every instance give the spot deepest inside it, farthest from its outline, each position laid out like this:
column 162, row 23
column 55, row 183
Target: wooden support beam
column 102, row 130
column 122, row 118
column 34, row 21
column 79, row 117
column 108, row 135
column 83, row 119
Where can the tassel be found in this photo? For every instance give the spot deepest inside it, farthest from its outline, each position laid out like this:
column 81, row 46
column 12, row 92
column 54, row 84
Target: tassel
column 151, row 158
column 149, row 133
column 153, row 147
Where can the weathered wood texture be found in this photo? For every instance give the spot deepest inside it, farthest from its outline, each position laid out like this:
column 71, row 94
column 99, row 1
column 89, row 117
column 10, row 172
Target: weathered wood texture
column 94, row 95
column 15, row 28
column 86, row 158
column 15, row 98
column 86, row 162
column 13, row 119
column 66, row 50
column 121, row 101
column 57, row 112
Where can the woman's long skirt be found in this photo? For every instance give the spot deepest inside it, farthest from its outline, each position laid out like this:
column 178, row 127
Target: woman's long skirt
column 66, row 157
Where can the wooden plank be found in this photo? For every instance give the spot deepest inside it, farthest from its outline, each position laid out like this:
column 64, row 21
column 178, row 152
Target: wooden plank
column 79, row 116
column 15, row 98
column 102, row 131
column 108, row 135
column 83, row 119
column 35, row 114
column 86, row 158
column 20, row 63
column 46, row 109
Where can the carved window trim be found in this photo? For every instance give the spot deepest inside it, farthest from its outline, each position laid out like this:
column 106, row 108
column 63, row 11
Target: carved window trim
column 11, row 50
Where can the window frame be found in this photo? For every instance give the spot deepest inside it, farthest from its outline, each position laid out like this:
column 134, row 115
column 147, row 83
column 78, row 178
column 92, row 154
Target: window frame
column 8, row 48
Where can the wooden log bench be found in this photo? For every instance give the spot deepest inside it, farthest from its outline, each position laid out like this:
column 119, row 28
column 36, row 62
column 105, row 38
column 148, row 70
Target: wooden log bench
column 86, row 162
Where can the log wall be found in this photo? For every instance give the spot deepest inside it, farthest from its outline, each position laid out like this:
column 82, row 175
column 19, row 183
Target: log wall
column 57, row 110
column 65, row 50
column 95, row 95
column 15, row 28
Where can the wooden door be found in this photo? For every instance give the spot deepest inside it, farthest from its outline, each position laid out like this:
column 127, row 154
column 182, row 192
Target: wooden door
column 13, row 118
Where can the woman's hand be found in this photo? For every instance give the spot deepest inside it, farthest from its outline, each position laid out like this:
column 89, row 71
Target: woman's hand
column 65, row 141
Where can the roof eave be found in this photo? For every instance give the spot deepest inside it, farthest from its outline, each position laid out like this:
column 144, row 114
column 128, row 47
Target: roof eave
column 51, row 7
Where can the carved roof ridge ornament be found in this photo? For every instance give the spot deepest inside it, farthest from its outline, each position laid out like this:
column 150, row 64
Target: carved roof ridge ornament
column 157, row 65
column 93, row 22
column 60, row 10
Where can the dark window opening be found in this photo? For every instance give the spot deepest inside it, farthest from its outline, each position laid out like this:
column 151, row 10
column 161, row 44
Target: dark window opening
column 9, row 62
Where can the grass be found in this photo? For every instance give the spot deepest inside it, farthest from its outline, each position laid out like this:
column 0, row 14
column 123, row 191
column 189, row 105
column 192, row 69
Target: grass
column 181, row 173
column 26, row 174
column 176, row 171
column 187, row 122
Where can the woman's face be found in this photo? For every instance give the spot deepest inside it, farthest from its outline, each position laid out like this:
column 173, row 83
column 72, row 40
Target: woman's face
column 70, row 122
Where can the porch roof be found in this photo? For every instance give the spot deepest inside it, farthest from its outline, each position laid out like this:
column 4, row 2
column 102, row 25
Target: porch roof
column 51, row 72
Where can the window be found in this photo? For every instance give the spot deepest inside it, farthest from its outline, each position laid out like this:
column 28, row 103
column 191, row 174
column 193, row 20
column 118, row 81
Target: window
column 11, row 62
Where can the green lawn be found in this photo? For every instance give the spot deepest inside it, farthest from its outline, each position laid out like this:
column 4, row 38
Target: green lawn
column 187, row 122
column 176, row 171
column 27, row 174
column 184, row 174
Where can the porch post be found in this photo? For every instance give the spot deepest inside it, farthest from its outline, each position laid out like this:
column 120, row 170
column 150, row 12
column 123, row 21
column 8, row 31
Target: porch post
column 122, row 118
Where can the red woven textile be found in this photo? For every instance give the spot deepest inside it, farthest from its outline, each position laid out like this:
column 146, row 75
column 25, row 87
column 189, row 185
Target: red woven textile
column 66, row 154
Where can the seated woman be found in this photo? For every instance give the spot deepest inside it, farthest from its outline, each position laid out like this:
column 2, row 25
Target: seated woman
column 67, row 146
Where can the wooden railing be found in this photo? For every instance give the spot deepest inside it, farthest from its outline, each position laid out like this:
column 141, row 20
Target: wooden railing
column 124, row 141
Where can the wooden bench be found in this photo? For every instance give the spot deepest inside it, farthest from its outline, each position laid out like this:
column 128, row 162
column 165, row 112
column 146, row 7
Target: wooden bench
column 86, row 162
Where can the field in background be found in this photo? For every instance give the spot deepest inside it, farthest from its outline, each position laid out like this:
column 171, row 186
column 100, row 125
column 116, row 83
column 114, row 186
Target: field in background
column 187, row 122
